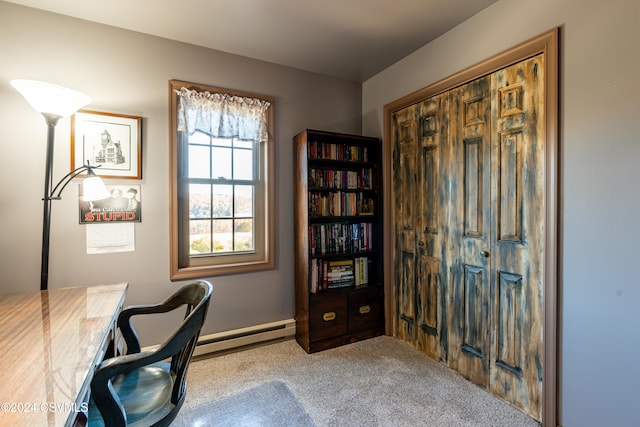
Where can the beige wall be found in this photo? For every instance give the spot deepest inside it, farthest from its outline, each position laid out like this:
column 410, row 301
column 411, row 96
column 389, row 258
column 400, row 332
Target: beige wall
column 599, row 93
column 127, row 72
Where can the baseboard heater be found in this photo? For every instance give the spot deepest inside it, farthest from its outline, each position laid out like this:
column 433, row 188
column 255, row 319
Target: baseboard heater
column 227, row 340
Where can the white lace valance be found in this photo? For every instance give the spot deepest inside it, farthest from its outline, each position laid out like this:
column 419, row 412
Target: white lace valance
column 221, row 115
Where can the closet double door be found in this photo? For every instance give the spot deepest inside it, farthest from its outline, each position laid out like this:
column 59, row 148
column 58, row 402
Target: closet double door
column 468, row 181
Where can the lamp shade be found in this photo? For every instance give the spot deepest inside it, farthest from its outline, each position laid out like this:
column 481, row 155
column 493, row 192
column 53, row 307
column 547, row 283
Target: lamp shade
column 50, row 98
column 93, row 188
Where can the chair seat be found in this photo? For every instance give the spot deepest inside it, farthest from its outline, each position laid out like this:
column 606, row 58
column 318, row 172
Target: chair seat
column 145, row 394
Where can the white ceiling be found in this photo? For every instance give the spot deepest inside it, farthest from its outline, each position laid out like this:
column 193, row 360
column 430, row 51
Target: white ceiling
column 349, row 39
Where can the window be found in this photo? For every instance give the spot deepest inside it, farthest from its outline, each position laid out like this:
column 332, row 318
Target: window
column 221, row 190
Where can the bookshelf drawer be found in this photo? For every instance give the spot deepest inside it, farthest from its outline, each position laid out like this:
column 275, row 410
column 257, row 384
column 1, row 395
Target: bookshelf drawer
column 365, row 309
column 328, row 316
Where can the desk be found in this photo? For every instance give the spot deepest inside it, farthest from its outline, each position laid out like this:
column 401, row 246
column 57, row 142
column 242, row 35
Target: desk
column 50, row 343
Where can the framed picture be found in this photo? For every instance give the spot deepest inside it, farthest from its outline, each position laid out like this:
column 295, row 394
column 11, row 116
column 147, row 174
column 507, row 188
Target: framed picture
column 124, row 205
column 111, row 140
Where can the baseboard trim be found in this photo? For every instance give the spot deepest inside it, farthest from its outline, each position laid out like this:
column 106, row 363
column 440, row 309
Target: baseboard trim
column 234, row 338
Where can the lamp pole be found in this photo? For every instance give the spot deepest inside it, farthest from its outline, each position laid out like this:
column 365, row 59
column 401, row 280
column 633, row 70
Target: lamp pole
column 54, row 102
column 51, row 120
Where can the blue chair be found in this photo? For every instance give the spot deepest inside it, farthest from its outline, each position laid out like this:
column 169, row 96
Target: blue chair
column 148, row 388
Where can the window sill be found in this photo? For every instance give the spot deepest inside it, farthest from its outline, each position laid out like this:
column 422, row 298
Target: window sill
column 192, row 272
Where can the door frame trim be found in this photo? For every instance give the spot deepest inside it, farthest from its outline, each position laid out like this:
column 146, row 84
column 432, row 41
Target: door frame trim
column 546, row 43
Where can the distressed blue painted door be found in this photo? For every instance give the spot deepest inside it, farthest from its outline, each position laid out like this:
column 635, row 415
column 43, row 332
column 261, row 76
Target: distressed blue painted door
column 518, row 235
column 421, row 144
column 497, row 235
column 431, row 226
column 404, row 189
column 469, row 255
column 469, row 204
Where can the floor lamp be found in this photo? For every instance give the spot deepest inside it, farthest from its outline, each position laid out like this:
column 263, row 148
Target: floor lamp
column 55, row 102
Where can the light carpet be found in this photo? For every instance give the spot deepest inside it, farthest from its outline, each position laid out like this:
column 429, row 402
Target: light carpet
column 377, row 382
column 270, row 404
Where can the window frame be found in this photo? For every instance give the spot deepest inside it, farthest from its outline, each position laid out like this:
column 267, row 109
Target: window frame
column 263, row 258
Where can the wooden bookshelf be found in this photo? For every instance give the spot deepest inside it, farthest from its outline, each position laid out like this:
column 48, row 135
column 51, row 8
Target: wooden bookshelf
column 338, row 239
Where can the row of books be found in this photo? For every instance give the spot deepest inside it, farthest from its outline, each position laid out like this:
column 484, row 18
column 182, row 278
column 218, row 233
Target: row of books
column 340, row 238
column 332, row 274
column 339, row 203
column 332, row 151
column 342, row 179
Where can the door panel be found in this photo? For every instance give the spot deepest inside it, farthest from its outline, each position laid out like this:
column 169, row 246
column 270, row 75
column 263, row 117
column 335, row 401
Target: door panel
column 474, row 341
column 518, row 147
column 473, row 190
column 406, row 296
column 511, row 320
column 469, row 223
column 429, row 292
column 510, row 203
column 404, row 186
column 433, row 131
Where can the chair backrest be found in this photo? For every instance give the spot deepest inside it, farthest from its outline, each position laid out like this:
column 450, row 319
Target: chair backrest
column 182, row 343
column 195, row 296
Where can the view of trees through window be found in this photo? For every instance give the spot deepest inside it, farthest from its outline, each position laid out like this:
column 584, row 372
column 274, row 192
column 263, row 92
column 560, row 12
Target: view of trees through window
column 221, row 195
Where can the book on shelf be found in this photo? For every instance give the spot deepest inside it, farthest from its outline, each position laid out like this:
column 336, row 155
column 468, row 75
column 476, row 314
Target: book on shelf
column 333, row 274
column 361, row 271
column 341, row 179
column 339, row 203
column 338, row 238
column 340, row 273
column 335, row 151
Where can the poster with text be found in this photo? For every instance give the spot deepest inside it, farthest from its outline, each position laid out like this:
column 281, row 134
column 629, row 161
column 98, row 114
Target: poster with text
column 123, row 205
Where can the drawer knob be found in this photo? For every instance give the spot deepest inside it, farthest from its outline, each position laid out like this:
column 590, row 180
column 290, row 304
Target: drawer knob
column 328, row 317
column 364, row 309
